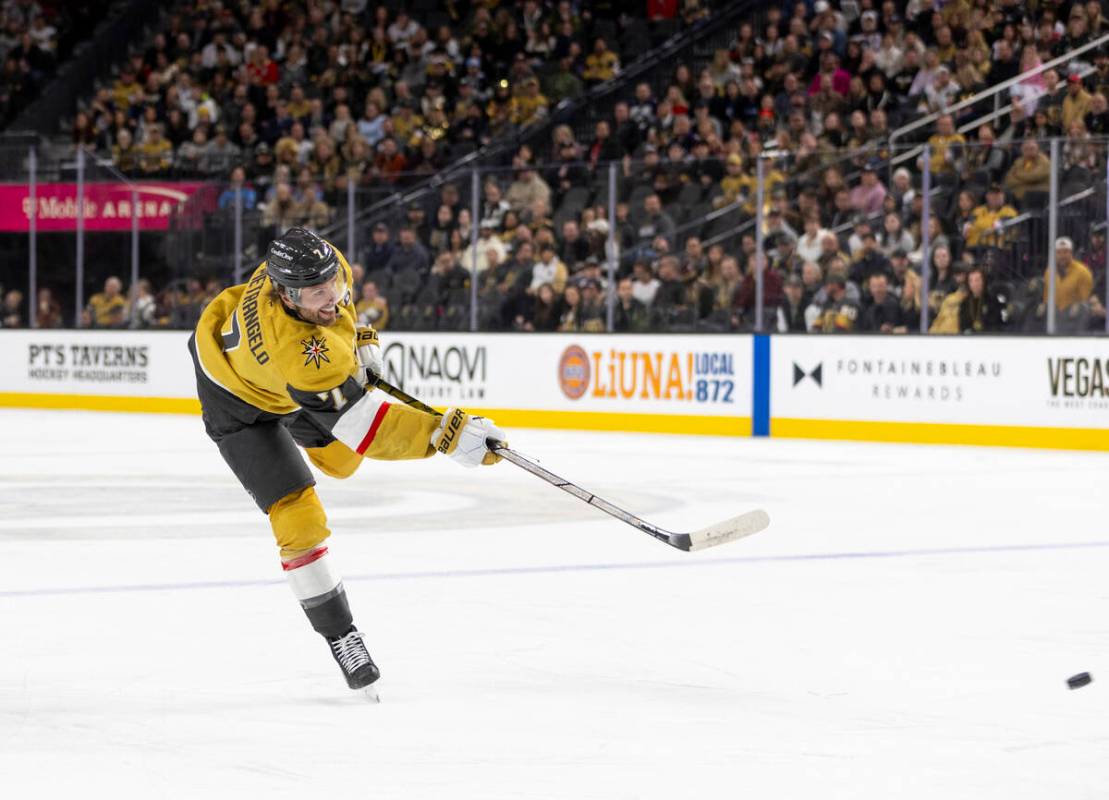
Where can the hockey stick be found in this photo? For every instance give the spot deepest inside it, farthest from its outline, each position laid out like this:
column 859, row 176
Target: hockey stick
column 721, row 532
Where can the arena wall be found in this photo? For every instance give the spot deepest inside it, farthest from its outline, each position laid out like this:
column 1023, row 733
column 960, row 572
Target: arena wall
column 1022, row 392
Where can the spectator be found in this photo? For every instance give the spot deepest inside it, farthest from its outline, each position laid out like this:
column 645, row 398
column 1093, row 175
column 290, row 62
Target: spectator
column 526, row 190
column 671, row 301
column 372, row 308
column 986, row 225
column 108, row 309
column 1073, row 286
column 1031, row 173
column 282, row 212
column 575, row 247
column 494, row 206
column 529, row 106
column 600, row 65
column 189, row 155
column 791, row 310
column 409, row 256
column 838, row 313
column 143, row 306
column 870, row 194
column 980, row 310
column 380, row 249
column 772, row 292
column 155, row 154
column 943, row 280
column 11, row 311
column 247, row 197
column 946, row 146
column 604, row 148
column 49, row 312
column 868, row 261
column 812, row 280
column 548, row 270
column 591, row 311
column 220, row 155
column 894, row 237
column 644, row 283
column 547, row 310
column 905, row 284
column 124, row 154
column 442, row 230
column 476, row 257
column 1077, row 103
column 947, row 316
column 810, row 244
column 570, row 311
column 655, row 222
column 630, row 315
column 942, row 92
column 882, row 313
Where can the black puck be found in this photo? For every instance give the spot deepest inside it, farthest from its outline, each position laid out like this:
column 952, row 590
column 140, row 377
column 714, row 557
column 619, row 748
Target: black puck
column 1079, row 680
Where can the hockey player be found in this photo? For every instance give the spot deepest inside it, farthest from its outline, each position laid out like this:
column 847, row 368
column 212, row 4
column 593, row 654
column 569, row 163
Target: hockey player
column 280, row 362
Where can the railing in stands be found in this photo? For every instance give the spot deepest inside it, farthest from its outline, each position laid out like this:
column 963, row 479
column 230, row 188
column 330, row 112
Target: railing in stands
column 995, row 90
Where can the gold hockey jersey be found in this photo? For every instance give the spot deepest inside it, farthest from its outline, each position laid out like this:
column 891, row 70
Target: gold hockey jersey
column 249, row 344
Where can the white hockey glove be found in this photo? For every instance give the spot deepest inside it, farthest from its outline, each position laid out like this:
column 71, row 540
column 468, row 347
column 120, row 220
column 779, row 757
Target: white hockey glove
column 462, row 437
column 368, row 352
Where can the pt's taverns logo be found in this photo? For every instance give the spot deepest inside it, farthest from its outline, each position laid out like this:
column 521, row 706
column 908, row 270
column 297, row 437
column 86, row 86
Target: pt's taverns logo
column 315, row 351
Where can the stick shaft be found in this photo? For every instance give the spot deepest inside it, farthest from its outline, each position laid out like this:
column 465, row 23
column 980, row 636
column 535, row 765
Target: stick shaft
column 528, row 465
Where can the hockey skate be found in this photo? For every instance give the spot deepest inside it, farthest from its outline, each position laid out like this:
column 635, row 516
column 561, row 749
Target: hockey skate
column 355, row 662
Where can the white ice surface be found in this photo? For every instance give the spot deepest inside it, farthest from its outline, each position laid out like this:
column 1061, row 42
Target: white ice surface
column 903, row 629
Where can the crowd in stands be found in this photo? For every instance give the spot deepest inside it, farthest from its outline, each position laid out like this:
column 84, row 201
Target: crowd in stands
column 35, row 36
column 349, row 90
column 815, row 89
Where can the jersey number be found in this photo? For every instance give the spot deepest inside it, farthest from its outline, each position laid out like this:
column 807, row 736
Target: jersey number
column 232, row 338
column 335, row 397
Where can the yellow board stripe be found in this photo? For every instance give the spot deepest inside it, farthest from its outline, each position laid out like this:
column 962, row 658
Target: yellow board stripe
column 937, row 433
column 512, row 418
column 96, row 402
column 851, row 430
column 610, row 421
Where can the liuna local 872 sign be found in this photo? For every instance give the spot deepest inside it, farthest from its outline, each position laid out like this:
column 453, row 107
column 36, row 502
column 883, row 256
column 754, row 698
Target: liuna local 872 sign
column 702, row 375
column 1045, row 382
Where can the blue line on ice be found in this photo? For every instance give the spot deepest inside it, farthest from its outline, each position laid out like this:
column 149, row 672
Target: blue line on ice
column 552, row 568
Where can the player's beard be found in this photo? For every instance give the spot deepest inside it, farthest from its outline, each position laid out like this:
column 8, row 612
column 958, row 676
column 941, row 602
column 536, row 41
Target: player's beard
column 317, row 318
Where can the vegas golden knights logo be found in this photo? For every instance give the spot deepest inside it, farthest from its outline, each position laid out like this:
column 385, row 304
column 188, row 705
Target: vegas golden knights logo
column 315, row 351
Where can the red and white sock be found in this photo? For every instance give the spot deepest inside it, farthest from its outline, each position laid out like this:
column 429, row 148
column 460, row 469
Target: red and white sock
column 311, row 578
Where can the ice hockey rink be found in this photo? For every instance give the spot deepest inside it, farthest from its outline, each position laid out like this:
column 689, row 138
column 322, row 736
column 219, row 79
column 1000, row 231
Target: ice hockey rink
column 903, row 629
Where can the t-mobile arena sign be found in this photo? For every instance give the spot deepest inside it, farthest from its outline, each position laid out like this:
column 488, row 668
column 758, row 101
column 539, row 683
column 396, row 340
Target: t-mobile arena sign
column 108, row 206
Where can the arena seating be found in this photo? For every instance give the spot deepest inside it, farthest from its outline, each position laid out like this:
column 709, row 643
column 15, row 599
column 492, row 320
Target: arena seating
column 389, row 98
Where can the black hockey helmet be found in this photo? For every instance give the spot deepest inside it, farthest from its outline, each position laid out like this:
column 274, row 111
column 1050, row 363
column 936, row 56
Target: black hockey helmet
column 300, row 258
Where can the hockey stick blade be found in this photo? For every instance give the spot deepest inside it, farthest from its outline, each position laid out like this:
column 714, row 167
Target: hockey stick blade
column 722, row 532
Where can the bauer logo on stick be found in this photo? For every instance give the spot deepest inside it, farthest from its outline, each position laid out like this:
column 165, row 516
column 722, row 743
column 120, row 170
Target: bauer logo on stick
column 573, row 372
